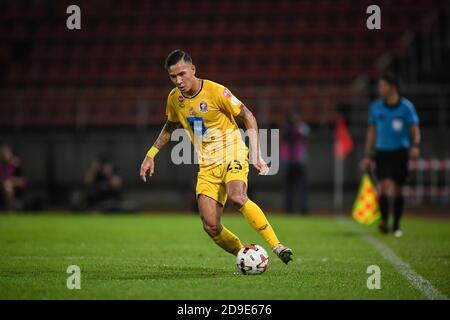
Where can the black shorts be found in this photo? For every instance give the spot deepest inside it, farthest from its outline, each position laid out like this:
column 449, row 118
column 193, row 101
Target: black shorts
column 392, row 165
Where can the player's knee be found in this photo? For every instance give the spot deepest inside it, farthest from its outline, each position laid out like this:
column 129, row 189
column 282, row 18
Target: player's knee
column 212, row 229
column 238, row 198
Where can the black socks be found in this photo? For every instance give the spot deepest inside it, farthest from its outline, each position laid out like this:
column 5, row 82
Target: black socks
column 399, row 204
column 384, row 208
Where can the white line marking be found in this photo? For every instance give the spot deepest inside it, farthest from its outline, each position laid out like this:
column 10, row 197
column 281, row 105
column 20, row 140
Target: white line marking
column 422, row 284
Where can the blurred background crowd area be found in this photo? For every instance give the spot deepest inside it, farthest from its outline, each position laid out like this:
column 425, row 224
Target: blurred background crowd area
column 71, row 99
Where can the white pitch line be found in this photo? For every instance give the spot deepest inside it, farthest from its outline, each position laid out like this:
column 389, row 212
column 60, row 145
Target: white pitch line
column 422, row 284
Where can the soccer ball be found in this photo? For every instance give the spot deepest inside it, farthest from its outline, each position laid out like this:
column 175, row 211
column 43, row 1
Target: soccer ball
column 252, row 260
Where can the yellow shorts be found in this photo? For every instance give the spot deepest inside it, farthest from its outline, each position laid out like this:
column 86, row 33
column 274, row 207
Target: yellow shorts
column 211, row 181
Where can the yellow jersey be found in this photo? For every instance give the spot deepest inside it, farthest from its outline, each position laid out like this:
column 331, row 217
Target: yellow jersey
column 208, row 118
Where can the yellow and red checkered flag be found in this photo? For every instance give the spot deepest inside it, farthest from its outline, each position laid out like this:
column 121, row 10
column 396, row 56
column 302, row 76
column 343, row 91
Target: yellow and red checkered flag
column 365, row 208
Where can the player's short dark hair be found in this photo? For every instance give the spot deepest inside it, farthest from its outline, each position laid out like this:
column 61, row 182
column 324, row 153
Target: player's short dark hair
column 175, row 56
column 390, row 78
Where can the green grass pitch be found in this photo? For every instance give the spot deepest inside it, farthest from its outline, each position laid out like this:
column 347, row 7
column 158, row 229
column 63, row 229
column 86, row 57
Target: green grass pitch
column 170, row 257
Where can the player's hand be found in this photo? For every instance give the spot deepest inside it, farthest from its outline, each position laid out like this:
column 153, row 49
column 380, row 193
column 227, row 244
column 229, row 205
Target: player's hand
column 148, row 165
column 414, row 152
column 261, row 166
column 366, row 164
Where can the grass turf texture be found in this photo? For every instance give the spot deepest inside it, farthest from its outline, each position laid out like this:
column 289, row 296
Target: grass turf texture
column 170, row 257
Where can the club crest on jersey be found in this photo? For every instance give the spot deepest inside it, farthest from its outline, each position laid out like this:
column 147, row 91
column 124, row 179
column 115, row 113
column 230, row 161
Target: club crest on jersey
column 397, row 124
column 203, row 107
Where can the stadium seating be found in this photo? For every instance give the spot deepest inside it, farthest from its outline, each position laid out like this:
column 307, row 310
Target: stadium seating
column 105, row 73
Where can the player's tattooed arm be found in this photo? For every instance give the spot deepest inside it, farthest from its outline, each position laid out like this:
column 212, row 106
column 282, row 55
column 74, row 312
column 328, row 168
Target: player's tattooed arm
column 166, row 132
column 148, row 164
column 249, row 120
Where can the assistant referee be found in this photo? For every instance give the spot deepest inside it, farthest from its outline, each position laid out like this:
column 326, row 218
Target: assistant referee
column 393, row 136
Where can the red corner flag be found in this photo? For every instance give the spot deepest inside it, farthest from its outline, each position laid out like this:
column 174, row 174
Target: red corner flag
column 343, row 143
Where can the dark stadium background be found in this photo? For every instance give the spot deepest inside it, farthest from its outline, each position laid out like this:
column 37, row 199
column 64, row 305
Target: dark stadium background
column 68, row 95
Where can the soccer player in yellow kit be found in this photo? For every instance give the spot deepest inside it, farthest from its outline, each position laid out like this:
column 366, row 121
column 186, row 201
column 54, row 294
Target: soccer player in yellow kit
column 207, row 111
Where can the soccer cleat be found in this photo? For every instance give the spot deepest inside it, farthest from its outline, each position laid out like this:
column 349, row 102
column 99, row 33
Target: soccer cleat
column 284, row 253
column 383, row 227
column 398, row 233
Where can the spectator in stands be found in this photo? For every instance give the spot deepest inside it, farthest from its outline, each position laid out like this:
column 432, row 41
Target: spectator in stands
column 103, row 186
column 393, row 136
column 12, row 182
column 294, row 145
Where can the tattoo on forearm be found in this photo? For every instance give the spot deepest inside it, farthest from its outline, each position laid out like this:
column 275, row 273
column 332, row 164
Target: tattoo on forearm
column 165, row 134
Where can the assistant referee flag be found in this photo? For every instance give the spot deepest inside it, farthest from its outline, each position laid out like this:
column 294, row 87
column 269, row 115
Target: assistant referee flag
column 365, row 208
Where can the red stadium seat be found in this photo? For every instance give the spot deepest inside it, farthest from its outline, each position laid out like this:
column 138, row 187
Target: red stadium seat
column 239, row 43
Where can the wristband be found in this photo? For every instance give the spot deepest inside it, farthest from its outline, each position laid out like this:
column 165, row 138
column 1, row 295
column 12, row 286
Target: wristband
column 152, row 152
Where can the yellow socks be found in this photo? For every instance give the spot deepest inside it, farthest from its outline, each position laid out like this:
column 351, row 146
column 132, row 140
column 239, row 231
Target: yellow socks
column 228, row 241
column 258, row 221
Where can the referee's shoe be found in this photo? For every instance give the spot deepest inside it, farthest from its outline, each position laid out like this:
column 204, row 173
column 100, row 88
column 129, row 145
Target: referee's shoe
column 383, row 227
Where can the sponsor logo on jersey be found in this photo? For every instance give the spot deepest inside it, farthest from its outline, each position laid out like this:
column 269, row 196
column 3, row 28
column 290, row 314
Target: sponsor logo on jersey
column 192, row 112
column 226, row 93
